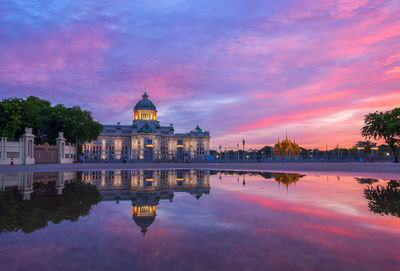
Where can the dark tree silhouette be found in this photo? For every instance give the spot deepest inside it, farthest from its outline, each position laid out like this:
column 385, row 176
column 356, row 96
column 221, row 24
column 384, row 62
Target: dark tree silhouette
column 45, row 205
column 384, row 200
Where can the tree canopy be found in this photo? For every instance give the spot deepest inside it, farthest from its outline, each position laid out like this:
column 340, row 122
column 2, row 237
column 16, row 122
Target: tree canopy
column 46, row 120
column 384, row 125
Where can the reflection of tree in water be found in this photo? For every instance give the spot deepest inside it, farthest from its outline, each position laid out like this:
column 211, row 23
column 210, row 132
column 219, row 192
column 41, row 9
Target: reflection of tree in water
column 366, row 180
column 384, row 200
column 287, row 178
column 45, row 205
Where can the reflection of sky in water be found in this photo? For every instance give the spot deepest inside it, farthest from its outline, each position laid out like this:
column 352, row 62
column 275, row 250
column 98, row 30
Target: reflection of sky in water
column 318, row 223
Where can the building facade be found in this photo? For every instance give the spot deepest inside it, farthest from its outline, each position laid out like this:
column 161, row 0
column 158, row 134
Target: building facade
column 147, row 140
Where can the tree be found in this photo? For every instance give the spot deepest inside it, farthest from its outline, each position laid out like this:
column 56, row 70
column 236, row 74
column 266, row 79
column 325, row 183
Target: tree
column 10, row 117
column 384, row 125
column 384, row 200
column 367, row 147
column 16, row 114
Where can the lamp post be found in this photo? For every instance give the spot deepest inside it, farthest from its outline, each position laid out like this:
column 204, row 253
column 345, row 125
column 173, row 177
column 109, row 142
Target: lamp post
column 243, row 148
column 238, row 157
column 220, row 147
column 338, row 151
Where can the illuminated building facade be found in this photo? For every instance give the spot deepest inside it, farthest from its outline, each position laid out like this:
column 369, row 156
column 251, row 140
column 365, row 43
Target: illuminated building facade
column 147, row 140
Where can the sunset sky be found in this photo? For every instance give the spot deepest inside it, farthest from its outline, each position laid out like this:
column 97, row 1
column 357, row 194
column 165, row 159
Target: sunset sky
column 240, row 68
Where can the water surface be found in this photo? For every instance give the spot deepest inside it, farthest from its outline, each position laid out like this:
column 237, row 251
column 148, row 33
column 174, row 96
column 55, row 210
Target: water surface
column 196, row 220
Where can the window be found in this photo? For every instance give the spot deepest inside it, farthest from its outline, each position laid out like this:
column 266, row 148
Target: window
column 200, row 174
column 164, row 174
column 200, row 151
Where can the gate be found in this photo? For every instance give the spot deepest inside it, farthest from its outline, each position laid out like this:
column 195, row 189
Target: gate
column 45, row 154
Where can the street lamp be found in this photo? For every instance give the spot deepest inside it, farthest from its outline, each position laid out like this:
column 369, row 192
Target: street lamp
column 244, row 142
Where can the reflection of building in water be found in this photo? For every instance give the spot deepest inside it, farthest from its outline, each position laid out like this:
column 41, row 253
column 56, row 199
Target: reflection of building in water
column 23, row 181
column 145, row 188
column 282, row 178
column 287, row 178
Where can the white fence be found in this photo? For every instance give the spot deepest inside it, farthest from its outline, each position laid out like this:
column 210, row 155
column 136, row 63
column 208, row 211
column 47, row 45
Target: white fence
column 21, row 152
column 17, row 152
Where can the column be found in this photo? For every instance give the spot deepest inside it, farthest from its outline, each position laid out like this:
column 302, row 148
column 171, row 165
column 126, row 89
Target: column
column 61, row 147
column 26, row 188
column 3, row 148
column 26, row 154
column 103, row 148
column 60, row 182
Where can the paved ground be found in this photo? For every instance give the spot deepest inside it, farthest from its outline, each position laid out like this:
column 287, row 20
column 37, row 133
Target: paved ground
column 372, row 170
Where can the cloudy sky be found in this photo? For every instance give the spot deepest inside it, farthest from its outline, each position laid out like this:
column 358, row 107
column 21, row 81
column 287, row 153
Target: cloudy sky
column 241, row 68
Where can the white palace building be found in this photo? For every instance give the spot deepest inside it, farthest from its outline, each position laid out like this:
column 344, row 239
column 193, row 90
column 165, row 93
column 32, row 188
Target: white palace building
column 147, row 140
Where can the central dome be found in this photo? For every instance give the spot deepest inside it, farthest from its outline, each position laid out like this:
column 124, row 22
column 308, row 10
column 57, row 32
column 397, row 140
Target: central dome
column 145, row 103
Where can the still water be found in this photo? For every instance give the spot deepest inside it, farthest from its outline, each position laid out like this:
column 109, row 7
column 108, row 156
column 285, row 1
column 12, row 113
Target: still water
column 197, row 220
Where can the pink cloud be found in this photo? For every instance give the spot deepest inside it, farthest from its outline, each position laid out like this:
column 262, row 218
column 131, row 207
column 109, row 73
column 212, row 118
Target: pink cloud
column 33, row 61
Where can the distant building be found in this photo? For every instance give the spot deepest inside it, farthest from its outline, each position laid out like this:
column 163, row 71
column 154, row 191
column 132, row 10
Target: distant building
column 286, row 149
column 147, row 140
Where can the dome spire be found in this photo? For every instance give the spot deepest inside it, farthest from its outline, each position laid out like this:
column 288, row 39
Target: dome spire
column 145, row 96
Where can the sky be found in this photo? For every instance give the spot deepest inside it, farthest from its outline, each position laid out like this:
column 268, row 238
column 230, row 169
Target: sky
column 242, row 69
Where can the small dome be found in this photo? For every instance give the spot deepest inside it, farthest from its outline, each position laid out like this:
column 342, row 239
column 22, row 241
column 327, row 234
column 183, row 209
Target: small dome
column 145, row 104
column 198, row 129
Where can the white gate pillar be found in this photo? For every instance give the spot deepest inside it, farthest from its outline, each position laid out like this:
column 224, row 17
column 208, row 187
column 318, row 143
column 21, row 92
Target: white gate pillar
column 27, row 155
column 61, row 147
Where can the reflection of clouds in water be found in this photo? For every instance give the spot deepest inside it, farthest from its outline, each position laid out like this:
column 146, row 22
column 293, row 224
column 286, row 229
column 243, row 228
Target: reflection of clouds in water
column 341, row 195
column 345, row 209
column 241, row 229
